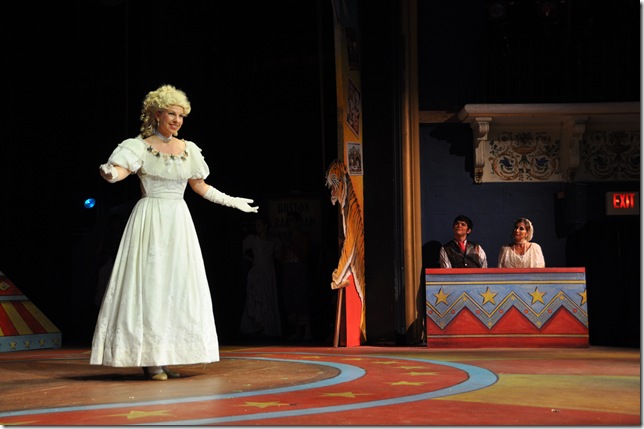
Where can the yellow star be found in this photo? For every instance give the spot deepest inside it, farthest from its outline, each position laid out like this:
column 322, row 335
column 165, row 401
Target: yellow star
column 141, row 414
column 410, row 367
column 441, row 297
column 387, row 363
column 421, row 373
column 583, row 296
column 346, row 394
column 264, row 404
column 537, row 296
column 488, row 296
column 407, row 383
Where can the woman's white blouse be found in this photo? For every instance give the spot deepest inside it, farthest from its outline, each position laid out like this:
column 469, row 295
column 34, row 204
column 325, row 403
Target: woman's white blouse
column 532, row 258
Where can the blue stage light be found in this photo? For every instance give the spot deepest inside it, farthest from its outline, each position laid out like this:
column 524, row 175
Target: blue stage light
column 89, row 203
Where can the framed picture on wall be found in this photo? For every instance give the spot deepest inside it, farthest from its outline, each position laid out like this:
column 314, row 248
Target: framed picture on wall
column 354, row 158
column 354, row 107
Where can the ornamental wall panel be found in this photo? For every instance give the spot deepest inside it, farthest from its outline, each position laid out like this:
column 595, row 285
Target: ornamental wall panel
column 532, row 143
column 517, row 154
column 610, row 153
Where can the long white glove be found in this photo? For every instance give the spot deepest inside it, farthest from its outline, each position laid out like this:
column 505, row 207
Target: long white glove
column 109, row 173
column 218, row 197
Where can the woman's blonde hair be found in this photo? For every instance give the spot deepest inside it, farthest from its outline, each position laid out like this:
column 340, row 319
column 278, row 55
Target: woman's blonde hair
column 528, row 227
column 159, row 100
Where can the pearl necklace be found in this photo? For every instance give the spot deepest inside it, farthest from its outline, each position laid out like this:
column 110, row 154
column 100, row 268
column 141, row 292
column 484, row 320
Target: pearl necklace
column 163, row 138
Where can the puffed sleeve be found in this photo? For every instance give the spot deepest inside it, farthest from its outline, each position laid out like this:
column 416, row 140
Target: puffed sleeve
column 537, row 260
column 128, row 154
column 503, row 261
column 197, row 164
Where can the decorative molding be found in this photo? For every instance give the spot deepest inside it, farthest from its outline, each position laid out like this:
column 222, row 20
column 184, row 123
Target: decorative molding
column 481, row 128
column 554, row 142
column 578, row 130
column 523, row 156
column 611, row 155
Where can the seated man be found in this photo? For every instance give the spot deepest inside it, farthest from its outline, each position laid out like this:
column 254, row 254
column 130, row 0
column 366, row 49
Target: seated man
column 460, row 252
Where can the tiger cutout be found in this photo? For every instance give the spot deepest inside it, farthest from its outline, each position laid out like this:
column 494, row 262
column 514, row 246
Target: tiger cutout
column 352, row 254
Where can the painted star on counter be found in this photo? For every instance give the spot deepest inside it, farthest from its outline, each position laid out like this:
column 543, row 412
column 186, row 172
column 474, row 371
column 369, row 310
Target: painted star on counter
column 441, row 297
column 537, row 296
column 583, row 296
column 488, row 296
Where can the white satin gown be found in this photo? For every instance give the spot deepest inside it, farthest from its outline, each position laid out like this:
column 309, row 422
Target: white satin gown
column 157, row 307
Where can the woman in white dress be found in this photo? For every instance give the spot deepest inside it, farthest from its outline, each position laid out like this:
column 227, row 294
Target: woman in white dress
column 521, row 253
column 157, row 310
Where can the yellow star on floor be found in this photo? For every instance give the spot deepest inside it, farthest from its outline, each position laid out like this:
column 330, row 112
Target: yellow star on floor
column 346, row 394
column 537, row 296
column 421, row 373
column 583, row 296
column 264, row 404
column 141, row 414
column 407, row 383
column 441, row 297
column 410, row 367
column 488, row 296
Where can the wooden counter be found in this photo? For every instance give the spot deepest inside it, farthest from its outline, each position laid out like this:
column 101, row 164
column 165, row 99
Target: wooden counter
column 506, row 307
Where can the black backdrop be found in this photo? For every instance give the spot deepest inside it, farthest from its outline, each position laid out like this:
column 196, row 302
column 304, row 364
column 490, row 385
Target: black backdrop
column 260, row 77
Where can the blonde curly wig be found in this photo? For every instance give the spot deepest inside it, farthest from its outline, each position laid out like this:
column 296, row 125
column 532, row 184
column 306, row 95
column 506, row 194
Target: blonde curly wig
column 528, row 227
column 159, row 100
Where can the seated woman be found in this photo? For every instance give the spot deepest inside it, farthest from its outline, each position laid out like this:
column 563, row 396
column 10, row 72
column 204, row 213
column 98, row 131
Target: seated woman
column 521, row 253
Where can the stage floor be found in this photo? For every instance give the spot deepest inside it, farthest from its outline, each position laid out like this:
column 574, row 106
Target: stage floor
column 289, row 385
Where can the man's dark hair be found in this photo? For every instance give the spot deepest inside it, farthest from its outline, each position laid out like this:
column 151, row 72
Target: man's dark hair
column 465, row 219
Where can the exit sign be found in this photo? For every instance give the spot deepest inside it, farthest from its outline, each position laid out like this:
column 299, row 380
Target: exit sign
column 622, row 203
